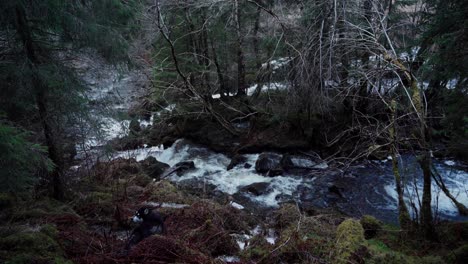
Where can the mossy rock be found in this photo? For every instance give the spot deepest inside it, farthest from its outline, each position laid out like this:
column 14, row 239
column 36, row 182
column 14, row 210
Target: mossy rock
column 141, row 180
column 32, row 246
column 317, row 226
column 287, row 214
column 371, row 226
column 164, row 191
column 349, row 240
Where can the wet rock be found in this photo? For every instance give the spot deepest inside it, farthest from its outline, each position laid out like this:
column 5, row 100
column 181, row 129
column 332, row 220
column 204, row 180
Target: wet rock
column 247, row 165
column 184, row 166
column 134, row 127
column 236, row 160
column 196, row 187
column 154, row 168
column 286, row 162
column 269, row 163
column 258, row 188
column 143, row 109
column 126, row 143
column 335, row 190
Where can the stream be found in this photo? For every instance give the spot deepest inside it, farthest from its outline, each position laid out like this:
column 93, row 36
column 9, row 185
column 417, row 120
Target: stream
column 365, row 188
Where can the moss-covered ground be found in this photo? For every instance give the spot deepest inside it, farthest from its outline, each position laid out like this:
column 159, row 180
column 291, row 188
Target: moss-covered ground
column 93, row 224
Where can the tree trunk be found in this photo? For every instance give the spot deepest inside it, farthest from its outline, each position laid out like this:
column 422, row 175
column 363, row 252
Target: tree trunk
column 438, row 180
column 240, row 53
column 222, row 86
column 41, row 101
column 417, row 103
column 426, row 210
column 258, row 61
column 403, row 215
column 206, row 56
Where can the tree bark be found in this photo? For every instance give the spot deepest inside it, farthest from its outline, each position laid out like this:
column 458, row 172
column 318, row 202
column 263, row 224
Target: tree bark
column 438, row 180
column 403, row 214
column 41, row 90
column 240, row 52
column 222, row 87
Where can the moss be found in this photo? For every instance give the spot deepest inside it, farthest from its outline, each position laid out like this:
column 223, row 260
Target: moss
column 371, row 226
column 43, row 208
column 349, row 239
column 287, row 214
column 320, row 226
column 99, row 197
column 212, row 239
column 378, row 246
column 388, row 258
column 258, row 248
column 459, row 255
column 430, row 260
column 141, row 180
column 31, row 246
column 50, row 230
column 6, row 200
column 164, row 191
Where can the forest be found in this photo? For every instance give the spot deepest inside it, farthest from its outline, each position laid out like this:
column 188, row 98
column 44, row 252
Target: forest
column 234, row 131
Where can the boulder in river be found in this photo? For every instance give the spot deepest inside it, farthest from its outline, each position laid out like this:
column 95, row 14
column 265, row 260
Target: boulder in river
column 286, row 162
column 269, row 163
column 181, row 167
column 153, row 167
column 134, row 127
column 258, row 188
column 236, row 160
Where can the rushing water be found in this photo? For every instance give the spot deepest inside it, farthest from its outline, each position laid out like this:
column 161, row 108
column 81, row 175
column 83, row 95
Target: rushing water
column 367, row 188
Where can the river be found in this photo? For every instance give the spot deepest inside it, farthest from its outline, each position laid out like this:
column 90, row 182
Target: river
column 364, row 188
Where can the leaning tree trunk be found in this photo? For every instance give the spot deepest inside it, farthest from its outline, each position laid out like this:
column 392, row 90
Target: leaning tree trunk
column 462, row 210
column 41, row 101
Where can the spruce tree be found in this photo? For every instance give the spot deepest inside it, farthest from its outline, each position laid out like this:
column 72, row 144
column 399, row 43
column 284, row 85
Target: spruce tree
column 38, row 85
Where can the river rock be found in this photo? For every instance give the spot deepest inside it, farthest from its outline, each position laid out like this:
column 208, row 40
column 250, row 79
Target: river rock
column 257, row 189
column 286, row 162
column 236, row 160
column 184, row 166
column 134, row 127
column 269, row 163
column 153, row 167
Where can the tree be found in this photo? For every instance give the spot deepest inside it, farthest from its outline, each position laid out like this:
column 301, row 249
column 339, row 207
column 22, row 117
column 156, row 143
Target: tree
column 37, row 36
column 20, row 159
